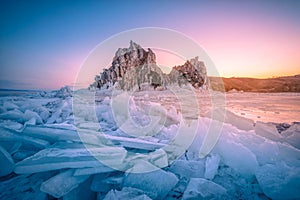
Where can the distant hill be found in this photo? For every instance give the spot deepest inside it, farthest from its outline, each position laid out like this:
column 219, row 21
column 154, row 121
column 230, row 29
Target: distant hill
column 279, row 84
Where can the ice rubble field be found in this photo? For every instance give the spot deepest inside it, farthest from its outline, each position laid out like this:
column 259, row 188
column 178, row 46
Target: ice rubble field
column 48, row 152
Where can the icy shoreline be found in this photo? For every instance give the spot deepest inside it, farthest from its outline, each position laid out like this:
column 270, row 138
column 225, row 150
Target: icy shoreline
column 45, row 153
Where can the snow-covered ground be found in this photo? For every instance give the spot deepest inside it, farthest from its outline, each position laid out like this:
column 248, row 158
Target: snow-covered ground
column 149, row 145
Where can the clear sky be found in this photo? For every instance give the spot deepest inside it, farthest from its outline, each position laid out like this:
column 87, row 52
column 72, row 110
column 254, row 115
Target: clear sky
column 43, row 43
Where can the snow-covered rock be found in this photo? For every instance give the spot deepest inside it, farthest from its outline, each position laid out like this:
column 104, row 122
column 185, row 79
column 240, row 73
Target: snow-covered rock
column 135, row 67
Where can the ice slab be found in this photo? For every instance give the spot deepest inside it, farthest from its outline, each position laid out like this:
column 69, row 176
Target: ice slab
column 279, row 181
column 105, row 182
column 11, row 124
column 211, row 166
column 152, row 161
column 268, row 131
column 199, row 188
column 155, row 184
column 135, row 143
column 24, row 187
column 62, row 183
column 7, row 163
column 126, row 193
column 50, row 133
column 14, row 115
column 10, row 135
column 70, row 155
column 21, row 155
column 229, row 117
column 236, row 155
column 28, row 115
column 10, row 146
column 93, row 170
column 81, row 192
column 9, row 106
column 54, row 134
column 292, row 135
column 188, row 169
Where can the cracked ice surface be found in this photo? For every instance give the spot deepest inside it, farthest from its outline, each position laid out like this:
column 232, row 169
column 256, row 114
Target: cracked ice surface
column 46, row 151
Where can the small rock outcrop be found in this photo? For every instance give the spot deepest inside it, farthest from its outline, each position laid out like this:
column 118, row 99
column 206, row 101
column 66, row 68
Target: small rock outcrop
column 134, row 66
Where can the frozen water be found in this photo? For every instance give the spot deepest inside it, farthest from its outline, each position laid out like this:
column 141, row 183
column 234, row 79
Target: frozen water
column 81, row 192
column 14, row 115
column 126, row 193
column 155, row 184
column 188, row 169
column 104, row 182
column 11, row 124
column 241, row 123
column 93, row 170
column 292, row 135
column 211, row 166
column 199, row 188
column 70, row 155
column 13, row 136
column 7, row 163
column 267, row 130
column 235, row 154
column 9, row 106
column 62, row 183
column 28, row 115
column 248, row 162
column 279, row 181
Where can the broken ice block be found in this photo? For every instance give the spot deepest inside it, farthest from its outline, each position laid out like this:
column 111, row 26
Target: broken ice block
column 279, row 181
column 188, row 168
column 292, row 135
column 70, row 155
column 9, row 105
column 211, row 166
column 267, row 130
column 126, row 193
column 236, row 155
column 62, row 183
column 155, row 184
column 14, row 115
column 7, row 163
column 10, row 135
column 82, row 192
column 199, row 188
column 28, row 115
column 93, row 170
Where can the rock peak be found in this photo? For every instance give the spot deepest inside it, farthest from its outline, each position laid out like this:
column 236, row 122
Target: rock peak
column 135, row 66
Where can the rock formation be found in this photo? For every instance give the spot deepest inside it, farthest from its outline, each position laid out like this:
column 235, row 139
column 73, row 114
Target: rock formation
column 133, row 67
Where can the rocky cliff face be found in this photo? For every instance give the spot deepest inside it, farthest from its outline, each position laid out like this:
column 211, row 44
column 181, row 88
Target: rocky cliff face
column 133, row 67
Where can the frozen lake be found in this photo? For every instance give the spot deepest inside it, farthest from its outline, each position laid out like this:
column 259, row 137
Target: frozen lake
column 149, row 145
column 266, row 107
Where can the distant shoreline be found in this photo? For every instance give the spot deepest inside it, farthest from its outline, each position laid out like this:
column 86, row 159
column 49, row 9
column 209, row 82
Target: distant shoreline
column 282, row 84
column 261, row 85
